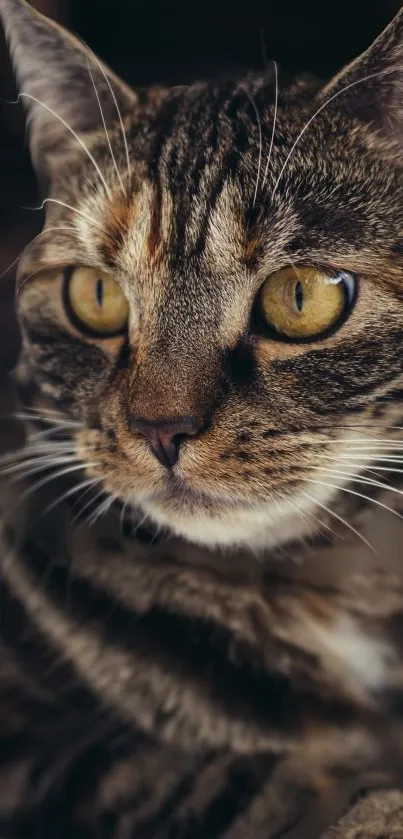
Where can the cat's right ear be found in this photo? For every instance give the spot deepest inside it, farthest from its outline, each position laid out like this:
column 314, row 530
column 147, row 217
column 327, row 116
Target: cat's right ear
column 370, row 89
column 53, row 72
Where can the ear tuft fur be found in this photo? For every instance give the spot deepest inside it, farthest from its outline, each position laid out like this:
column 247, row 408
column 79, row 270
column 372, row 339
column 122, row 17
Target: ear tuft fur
column 370, row 89
column 52, row 69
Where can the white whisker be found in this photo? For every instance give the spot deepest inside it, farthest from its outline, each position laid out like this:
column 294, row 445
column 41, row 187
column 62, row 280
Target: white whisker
column 32, row 455
column 359, row 479
column 72, row 209
column 357, row 445
column 307, row 514
column 370, row 456
column 56, row 475
column 22, row 472
column 342, row 521
column 75, row 135
column 47, row 434
column 91, row 185
column 46, row 416
column 122, row 516
column 259, row 123
column 105, row 129
column 102, row 510
column 39, row 443
column 47, row 230
column 70, row 492
column 20, row 286
column 115, row 102
column 34, row 445
column 319, row 110
column 92, row 500
column 357, row 495
column 83, row 494
column 356, row 428
column 43, row 448
column 274, row 125
column 379, row 468
column 140, row 524
column 372, row 472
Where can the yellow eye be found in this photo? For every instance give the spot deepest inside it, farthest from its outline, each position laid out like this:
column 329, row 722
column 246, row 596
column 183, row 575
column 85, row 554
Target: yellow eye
column 302, row 302
column 96, row 302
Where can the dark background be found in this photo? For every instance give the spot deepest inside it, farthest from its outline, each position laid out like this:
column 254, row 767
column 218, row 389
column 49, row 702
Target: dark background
column 173, row 41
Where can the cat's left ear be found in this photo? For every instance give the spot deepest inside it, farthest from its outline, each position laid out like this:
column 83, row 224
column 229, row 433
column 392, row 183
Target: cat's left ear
column 53, row 75
column 371, row 87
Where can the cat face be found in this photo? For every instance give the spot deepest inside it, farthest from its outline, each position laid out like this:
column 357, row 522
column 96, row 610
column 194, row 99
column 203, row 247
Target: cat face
column 215, row 300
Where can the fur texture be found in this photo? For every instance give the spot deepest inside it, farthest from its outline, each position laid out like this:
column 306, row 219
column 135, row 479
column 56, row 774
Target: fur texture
column 134, row 649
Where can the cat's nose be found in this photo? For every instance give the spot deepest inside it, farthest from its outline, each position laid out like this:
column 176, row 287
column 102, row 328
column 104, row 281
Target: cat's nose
column 165, row 437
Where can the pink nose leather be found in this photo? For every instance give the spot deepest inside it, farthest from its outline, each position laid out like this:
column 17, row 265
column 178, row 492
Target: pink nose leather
column 165, row 438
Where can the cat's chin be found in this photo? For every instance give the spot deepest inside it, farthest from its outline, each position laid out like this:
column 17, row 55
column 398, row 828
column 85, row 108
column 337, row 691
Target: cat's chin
column 256, row 527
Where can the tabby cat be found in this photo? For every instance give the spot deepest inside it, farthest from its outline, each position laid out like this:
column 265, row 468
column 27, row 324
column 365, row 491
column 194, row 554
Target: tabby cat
column 202, row 596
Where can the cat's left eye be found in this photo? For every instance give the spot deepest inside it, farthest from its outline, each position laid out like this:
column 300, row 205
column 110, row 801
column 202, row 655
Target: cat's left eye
column 301, row 303
column 95, row 302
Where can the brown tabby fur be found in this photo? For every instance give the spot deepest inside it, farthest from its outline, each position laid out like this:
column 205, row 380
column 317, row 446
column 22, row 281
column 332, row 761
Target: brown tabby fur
column 209, row 659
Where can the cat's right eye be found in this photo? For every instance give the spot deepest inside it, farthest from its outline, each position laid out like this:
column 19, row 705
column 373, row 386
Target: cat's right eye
column 95, row 303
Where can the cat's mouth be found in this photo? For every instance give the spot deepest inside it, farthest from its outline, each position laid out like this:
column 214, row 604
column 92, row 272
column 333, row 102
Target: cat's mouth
column 209, row 519
column 180, row 492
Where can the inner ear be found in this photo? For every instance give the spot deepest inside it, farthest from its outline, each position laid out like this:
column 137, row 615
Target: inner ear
column 65, row 88
column 370, row 89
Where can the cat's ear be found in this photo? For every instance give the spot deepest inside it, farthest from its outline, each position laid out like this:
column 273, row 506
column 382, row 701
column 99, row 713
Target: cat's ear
column 371, row 87
column 54, row 79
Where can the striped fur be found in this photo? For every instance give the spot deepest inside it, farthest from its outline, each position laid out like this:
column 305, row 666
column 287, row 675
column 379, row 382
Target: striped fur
column 153, row 685
column 147, row 691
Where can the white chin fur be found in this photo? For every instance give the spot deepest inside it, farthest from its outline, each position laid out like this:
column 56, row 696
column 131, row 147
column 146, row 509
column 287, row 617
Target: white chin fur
column 256, row 528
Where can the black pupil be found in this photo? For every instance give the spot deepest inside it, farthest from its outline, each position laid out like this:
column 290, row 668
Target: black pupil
column 99, row 293
column 299, row 296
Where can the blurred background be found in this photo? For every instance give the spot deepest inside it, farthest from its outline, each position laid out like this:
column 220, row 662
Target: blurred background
column 172, row 41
